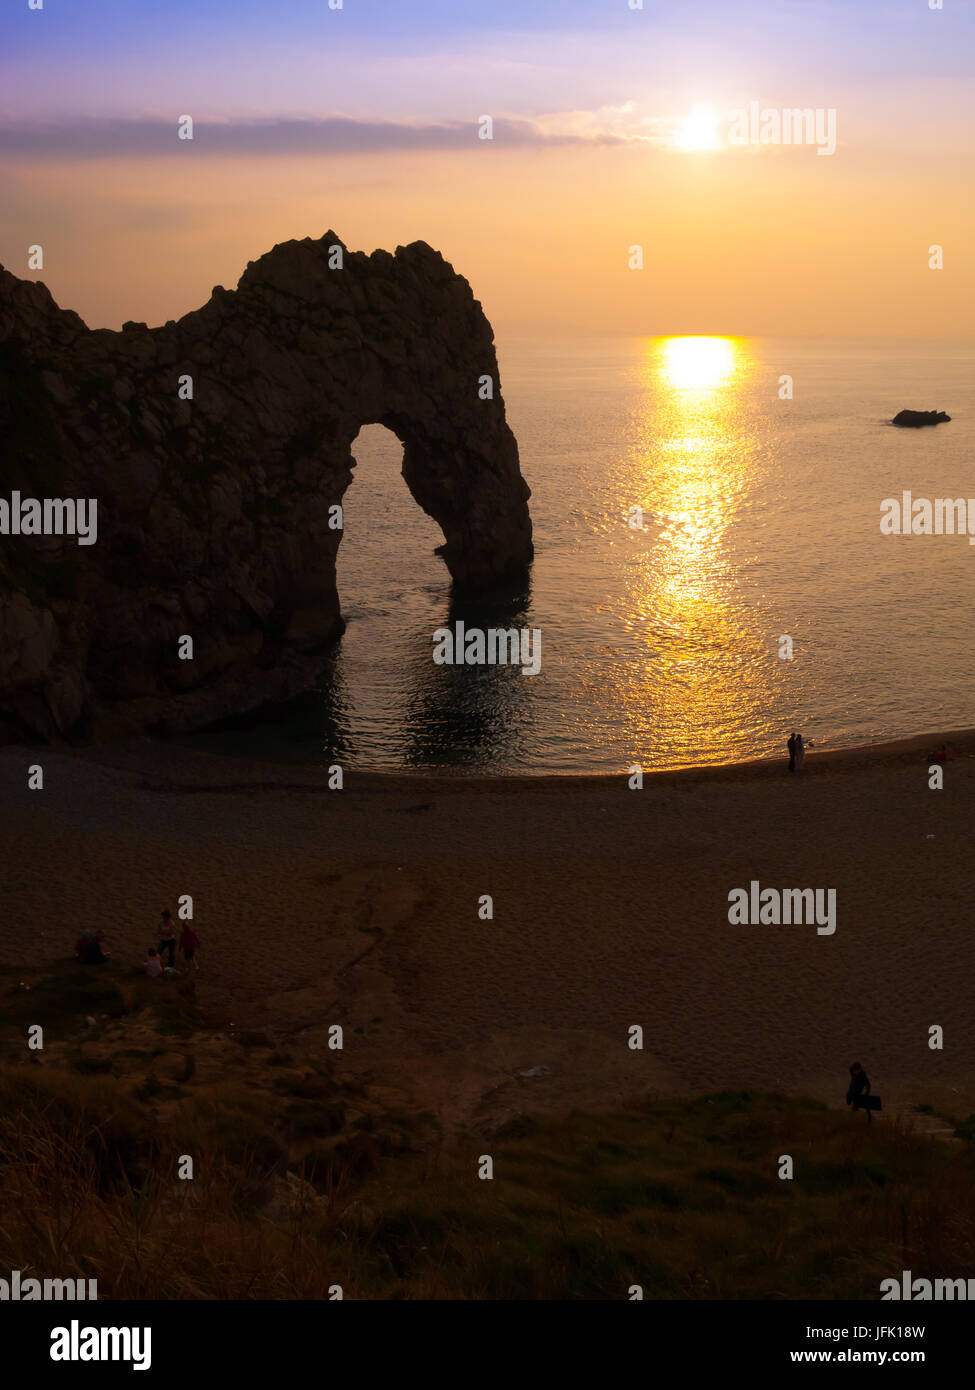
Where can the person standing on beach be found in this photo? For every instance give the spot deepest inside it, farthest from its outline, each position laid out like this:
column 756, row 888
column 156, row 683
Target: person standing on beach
column 800, row 753
column 167, row 938
column 792, row 751
column 189, row 944
column 858, row 1088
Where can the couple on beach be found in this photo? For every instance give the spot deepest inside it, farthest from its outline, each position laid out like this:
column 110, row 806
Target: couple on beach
column 797, row 752
column 155, row 967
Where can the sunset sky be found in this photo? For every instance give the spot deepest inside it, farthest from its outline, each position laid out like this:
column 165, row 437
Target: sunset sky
column 364, row 120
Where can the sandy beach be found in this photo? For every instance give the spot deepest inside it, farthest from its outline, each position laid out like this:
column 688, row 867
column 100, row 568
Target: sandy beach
column 360, row 907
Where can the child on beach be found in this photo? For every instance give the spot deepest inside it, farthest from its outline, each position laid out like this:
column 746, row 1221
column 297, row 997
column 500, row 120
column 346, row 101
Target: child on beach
column 189, row 944
column 167, row 937
column 153, row 966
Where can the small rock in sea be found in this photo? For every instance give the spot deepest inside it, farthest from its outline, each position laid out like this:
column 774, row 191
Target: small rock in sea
column 914, row 419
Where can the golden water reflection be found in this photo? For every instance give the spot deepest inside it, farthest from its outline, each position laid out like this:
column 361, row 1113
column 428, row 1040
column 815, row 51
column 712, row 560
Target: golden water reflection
column 694, row 461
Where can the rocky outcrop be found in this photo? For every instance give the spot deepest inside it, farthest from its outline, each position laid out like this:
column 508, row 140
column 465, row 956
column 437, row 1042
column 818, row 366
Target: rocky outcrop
column 914, row 419
column 216, row 514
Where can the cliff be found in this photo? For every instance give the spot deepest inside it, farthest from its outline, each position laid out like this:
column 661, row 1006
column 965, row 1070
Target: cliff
column 216, row 515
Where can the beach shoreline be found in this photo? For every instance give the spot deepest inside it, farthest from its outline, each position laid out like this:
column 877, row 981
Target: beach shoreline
column 364, row 907
column 904, row 750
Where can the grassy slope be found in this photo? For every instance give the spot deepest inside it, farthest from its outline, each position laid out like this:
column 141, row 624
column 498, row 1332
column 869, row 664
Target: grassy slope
column 302, row 1182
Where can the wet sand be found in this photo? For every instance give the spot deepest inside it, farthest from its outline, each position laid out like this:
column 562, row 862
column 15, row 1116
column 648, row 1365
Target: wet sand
column 360, row 907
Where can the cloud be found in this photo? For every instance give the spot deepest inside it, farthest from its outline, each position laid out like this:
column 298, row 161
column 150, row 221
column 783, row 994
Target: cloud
column 625, row 123
column 149, row 136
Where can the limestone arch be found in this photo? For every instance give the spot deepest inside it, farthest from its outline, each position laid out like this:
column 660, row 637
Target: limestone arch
column 214, row 512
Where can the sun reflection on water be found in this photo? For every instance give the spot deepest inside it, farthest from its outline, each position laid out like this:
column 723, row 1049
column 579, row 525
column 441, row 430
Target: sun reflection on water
column 695, row 456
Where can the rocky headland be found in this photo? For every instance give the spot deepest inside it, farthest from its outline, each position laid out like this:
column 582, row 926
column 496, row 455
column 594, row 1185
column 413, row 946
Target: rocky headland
column 218, row 450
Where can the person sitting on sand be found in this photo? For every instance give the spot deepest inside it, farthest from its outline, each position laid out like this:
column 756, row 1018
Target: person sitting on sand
column 167, row 937
column 858, row 1089
column 153, row 966
column 89, row 948
column 189, row 944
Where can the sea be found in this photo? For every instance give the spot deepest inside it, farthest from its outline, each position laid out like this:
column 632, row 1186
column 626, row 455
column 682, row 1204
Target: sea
column 710, row 571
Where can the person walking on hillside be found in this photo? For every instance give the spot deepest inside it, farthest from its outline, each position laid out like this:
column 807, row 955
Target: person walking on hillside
column 167, row 938
column 858, row 1090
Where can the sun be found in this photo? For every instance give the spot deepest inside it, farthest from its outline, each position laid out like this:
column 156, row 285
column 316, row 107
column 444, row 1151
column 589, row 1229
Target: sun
column 698, row 130
column 697, row 364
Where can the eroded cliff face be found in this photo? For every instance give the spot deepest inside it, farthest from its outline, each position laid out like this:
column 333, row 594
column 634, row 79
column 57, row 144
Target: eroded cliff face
column 214, row 513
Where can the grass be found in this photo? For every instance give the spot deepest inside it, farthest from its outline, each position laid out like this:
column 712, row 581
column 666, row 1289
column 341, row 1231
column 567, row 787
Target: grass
column 585, row 1207
column 60, row 1000
column 682, row 1198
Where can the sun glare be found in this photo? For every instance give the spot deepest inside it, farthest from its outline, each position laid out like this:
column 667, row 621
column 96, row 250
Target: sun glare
column 697, row 364
column 698, row 130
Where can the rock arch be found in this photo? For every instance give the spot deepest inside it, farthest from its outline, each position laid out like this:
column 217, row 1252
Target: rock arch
column 213, row 513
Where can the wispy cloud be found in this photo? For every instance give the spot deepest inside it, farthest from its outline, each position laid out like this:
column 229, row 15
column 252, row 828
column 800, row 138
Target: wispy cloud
column 624, row 123
column 151, row 136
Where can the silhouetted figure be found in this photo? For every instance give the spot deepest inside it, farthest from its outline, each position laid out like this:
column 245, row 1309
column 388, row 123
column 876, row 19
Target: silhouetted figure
column 800, row 753
column 85, row 938
column 167, row 938
column 189, row 944
column 858, row 1092
column 792, row 751
column 89, row 948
